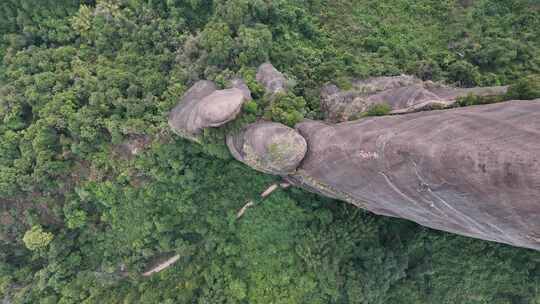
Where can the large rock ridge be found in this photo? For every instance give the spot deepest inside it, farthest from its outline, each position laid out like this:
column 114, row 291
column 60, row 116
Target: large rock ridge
column 473, row 171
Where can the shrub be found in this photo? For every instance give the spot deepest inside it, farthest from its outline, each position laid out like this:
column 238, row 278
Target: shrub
column 36, row 238
column 464, row 73
column 525, row 88
column 254, row 44
column 288, row 109
column 378, row 110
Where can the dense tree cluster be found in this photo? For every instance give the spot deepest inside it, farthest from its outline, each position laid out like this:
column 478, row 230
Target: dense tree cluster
column 82, row 215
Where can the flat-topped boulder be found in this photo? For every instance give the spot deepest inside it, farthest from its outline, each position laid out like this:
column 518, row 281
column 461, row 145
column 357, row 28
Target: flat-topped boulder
column 402, row 94
column 268, row 147
column 273, row 80
column 203, row 106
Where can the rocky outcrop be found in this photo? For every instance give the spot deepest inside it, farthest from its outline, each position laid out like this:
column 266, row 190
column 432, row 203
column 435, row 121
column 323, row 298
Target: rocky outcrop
column 242, row 86
column 273, row 80
column 203, row 106
column 268, row 147
column 473, row 171
column 403, row 94
column 377, row 84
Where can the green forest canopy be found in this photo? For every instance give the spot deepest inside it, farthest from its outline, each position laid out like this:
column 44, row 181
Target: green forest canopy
column 82, row 217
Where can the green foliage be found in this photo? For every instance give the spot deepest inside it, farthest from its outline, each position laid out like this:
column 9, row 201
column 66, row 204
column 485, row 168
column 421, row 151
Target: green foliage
column 76, row 219
column 36, row 238
column 471, row 100
column 217, row 41
column 5, row 283
column 254, row 44
column 465, row 73
column 80, row 79
column 525, row 88
column 249, row 74
column 379, row 109
column 285, row 108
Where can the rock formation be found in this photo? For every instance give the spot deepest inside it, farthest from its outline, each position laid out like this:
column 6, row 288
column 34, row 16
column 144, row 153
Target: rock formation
column 203, row 106
column 269, row 147
column 473, row 171
column 272, row 79
column 404, row 94
column 242, row 86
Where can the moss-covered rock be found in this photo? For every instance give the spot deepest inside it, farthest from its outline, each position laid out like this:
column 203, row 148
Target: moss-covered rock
column 268, row 147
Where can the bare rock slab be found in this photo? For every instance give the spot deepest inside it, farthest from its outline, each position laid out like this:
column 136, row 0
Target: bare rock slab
column 473, row 171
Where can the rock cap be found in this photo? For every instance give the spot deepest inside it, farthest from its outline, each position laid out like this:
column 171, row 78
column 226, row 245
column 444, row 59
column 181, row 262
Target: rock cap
column 268, row 147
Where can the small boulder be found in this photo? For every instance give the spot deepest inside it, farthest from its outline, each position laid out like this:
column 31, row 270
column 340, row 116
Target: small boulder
column 272, row 79
column 217, row 109
column 268, row 147
column 204, row 106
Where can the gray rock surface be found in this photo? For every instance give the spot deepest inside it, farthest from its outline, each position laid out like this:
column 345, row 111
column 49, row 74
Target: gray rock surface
column 268, row 147
column 473, row 171
column 242, row 86
column 404, row 94
column 203, row 106
column 272, row 79
column 377, row 84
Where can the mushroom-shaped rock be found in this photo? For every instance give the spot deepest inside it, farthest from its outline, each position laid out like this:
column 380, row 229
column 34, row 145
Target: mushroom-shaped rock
column 268, row 147
column 203, row 106
column 272, row 79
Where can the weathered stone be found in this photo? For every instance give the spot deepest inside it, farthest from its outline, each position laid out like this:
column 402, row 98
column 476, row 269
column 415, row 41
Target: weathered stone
column 473, row 171
column 271, row 79
column 376, row 84
column 403, row 94
column 241, row 85
column 203, row 107
column 268, row 147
